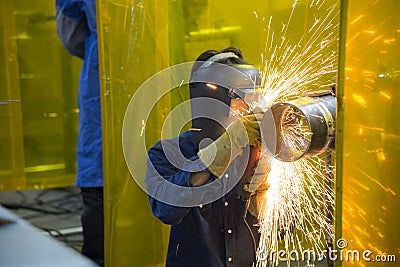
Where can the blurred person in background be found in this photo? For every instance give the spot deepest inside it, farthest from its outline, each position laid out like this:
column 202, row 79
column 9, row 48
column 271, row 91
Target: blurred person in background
column 77, row 30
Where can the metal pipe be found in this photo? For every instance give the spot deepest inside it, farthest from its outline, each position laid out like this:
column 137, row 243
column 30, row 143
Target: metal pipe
column 303, row 127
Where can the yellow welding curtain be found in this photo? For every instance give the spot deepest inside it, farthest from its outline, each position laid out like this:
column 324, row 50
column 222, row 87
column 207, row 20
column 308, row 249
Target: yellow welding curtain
column 368, row 141
column 38, row 92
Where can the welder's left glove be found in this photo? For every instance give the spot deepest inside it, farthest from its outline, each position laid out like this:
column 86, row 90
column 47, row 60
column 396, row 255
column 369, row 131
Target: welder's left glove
column 219, row 154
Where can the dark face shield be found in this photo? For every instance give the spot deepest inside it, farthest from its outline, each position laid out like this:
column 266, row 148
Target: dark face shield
column 233, row 86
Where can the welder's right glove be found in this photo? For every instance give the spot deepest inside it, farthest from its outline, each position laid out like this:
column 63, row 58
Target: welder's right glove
column 218, row 155
column 258, row 181
column 259, row 185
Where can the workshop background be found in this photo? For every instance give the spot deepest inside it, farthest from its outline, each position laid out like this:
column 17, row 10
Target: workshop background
column 38, row 110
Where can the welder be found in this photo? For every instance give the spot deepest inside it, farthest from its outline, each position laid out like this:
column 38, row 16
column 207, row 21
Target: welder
column 209, row 182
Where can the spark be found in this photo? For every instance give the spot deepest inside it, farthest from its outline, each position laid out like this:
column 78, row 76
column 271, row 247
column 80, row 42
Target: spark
column 298, row 206
column 356, row 19
column 375, row 180
column 381, row 155
column 369, row 80
column 385, row 94
column 368, row 73
column 369, row 31
column 389, row 41
column 374, row 40
column 360, row 100
column 312, row 27
column 255, row 14
column 143, row 126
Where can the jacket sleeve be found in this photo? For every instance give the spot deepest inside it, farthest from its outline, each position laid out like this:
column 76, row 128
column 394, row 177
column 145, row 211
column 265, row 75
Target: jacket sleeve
column 71, row 26
column 168, row 184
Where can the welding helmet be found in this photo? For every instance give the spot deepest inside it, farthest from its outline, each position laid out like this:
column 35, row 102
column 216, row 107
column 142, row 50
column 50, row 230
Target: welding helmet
column 223, row 87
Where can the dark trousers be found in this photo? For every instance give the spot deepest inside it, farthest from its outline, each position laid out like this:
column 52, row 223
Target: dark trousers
column 93, row 224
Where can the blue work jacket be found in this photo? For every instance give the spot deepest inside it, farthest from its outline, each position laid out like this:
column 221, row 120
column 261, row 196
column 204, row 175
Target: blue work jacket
column 76, row 27
column 210, row 235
